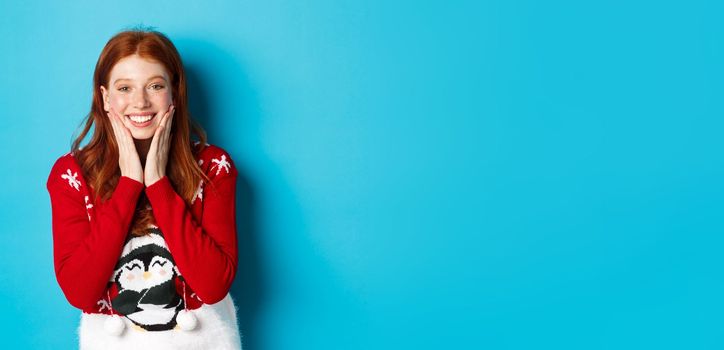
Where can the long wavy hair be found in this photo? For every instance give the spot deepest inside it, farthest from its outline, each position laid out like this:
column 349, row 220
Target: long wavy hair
column 99, row 158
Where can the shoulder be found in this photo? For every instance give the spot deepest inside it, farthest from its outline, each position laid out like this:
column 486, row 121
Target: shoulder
column 209, row 151
column 66, row 172
column 64, row 160
column 215, row 161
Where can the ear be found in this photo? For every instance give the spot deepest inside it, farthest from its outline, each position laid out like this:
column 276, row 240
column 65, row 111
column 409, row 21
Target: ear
column 106, row 103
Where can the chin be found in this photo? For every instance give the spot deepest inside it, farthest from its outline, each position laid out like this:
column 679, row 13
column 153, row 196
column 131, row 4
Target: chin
column 142, row 136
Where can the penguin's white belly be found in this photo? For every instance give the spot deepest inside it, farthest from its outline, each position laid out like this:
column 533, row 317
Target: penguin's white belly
column 152, row 314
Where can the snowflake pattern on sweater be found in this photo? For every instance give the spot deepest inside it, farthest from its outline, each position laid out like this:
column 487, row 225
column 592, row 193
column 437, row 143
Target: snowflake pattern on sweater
column 72, row 179
column 92, row 245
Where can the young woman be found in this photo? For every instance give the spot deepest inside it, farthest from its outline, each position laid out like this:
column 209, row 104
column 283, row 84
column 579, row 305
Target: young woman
column 144, row 228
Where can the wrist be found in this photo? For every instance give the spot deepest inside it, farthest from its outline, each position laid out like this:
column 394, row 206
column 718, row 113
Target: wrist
column 152, row 180
column 132, row 176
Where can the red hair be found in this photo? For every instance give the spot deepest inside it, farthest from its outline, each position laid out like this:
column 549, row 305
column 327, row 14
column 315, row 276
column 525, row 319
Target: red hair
column 99, row 158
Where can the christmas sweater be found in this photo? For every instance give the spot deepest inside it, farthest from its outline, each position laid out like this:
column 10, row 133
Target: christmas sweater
column 186, row 261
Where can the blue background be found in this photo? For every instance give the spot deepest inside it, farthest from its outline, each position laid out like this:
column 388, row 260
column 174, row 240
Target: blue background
column 460, row 174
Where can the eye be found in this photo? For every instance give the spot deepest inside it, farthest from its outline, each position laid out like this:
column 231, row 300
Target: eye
column 133, row 266
column 123, row 88
column 157, row 86
column 158, row 263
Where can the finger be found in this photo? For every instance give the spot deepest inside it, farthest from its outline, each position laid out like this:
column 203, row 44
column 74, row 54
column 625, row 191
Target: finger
column 164, row 120
column 116, row 120
column 117, row 128
column 168, row 123
column 161, row 134
column 124, row 130
column 171, row 115
column 114, row 125
column 166, row 114
column 156, row 136
column 162, row 145
column 124, row 139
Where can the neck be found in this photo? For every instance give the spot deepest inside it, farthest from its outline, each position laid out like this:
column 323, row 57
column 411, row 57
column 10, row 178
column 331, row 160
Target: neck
column 142, row 147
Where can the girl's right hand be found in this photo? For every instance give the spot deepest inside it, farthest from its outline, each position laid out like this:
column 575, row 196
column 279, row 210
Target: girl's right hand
column 128, row 159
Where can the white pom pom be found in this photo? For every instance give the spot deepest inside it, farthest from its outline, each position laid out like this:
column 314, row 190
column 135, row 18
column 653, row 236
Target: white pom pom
column 114, row 325
column 186, row 320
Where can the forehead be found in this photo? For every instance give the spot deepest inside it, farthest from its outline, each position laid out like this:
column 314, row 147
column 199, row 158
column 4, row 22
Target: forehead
column 135, row 67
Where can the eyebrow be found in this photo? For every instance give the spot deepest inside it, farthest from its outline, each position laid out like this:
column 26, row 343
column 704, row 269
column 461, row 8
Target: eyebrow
column 149, row 79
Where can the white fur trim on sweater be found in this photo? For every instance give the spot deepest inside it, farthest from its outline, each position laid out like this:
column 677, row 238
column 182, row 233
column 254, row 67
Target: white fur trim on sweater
column 216, row 329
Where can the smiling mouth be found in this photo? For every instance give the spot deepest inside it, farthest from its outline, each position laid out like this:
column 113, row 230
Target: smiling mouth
column 141, row 120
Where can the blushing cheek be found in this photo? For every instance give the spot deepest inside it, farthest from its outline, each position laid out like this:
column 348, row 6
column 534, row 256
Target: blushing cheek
column 162, row 99
column 119, row 103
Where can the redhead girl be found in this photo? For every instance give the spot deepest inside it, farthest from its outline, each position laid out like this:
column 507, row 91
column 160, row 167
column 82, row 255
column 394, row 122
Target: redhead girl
column 144, row 217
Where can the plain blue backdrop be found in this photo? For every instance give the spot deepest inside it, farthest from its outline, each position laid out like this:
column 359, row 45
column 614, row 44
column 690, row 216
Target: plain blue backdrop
column 414, row 175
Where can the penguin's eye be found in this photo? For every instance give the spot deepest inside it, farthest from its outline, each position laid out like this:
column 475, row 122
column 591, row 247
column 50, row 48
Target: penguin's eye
column 159, row 263
column 131, row 267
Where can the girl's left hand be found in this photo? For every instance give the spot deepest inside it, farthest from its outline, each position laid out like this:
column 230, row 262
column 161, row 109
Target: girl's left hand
column 157, row 157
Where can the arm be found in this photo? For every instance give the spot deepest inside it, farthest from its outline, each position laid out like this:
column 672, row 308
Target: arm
column 205, row 252
column 86, row 250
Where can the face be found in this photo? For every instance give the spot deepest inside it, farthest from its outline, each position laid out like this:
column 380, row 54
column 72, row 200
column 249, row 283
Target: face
column 139, row 90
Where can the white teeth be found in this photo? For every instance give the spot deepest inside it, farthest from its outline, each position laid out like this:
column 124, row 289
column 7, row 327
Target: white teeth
column 140, row 118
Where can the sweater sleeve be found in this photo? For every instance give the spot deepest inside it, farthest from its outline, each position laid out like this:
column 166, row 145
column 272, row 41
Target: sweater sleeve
column 206, row 251
column 86, row 246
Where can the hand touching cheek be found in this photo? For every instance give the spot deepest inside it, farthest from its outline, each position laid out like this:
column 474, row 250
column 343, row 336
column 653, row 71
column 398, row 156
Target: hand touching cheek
column 157, row 158
column 128, row 159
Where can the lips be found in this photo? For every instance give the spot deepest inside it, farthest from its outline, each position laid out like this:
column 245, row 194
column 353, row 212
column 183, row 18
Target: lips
column 141, row 119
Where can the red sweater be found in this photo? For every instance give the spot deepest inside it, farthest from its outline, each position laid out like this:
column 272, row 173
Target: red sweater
column 88, row 237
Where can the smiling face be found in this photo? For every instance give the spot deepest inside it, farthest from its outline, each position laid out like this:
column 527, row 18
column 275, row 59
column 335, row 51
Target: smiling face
column 140, row 91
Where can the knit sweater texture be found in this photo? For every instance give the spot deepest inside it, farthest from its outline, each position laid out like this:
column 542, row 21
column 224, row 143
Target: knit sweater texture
column 187, row 261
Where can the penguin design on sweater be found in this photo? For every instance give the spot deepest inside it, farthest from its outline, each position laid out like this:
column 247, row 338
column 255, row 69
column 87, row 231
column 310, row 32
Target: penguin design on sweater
column 145, row 278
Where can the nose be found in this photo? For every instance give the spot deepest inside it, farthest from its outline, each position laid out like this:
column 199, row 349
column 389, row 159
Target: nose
column 140, row 99
column 146, row 275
